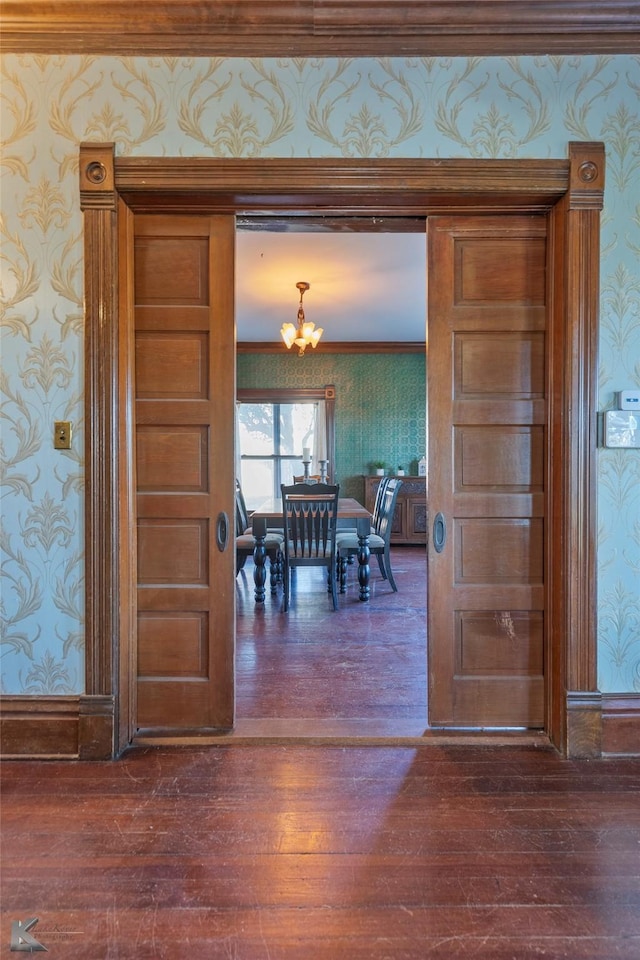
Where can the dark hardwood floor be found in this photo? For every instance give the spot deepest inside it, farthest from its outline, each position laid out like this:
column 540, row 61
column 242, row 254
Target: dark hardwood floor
column 316, row 850
column 360, row 669
column 301, row 852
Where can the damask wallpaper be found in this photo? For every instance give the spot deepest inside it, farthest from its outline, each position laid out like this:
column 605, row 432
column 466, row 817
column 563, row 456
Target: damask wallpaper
column 380, row 406
column 417, row 107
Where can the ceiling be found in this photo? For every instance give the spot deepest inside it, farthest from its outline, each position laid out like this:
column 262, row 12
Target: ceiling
column 363, row 285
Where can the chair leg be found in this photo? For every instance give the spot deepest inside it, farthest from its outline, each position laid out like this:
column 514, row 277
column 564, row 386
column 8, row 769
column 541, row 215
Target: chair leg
column 286, row 584
column 389, row 574
column 273, row 573
column 342, row 573
column 384, row 562
column 334, row 591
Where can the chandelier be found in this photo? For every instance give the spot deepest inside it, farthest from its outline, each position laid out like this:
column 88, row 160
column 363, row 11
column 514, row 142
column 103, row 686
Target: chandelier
column 305, row 333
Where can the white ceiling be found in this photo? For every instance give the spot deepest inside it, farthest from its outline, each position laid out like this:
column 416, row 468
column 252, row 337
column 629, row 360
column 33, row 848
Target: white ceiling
column 363, row 286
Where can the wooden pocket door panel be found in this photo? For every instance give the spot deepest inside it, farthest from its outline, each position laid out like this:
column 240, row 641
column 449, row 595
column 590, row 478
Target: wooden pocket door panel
column 184, row 402
column 486, row 374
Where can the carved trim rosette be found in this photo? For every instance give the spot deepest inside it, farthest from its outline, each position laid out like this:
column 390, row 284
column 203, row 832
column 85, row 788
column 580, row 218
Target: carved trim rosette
column 97, row 178
column 586, row 176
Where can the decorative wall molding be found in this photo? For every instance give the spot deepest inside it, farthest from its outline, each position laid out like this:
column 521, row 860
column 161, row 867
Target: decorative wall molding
column 621, row 724
column 571, row 659
column 583, row 725
column 39, row 727
column 586, row 177
column 337, row 28
column 102, row 610
column 96, row 727
column 411, row 187
column 580, row 374
column 69, row 728
column 46, row 727
column 378, row 346
column 97, row 186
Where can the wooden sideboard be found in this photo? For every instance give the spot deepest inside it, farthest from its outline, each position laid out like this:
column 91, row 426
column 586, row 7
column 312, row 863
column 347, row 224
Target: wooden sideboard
column 410, row 517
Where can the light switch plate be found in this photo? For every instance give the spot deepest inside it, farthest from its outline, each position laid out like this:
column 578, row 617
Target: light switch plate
column 621, row 428
column 62, row 435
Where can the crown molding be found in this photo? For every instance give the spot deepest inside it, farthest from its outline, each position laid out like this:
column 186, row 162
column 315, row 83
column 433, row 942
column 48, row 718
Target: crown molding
column 327, row 28
column 370, row 346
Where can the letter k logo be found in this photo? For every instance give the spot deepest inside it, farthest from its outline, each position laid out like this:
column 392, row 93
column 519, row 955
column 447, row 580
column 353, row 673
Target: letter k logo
column 21, row 939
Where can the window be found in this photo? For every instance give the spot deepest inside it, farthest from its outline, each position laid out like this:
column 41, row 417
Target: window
column 273, row 428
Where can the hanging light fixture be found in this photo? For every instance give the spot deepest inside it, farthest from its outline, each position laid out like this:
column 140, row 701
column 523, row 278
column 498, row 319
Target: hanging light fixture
column 305, row 333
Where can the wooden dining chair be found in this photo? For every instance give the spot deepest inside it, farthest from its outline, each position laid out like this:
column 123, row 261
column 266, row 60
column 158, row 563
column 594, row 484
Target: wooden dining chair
column 312, row 478
column 243, row 520
column 245, row 543
column 347, row 544
column 380, row 492
column 242, row 514
column 347, row 526
column 309, row 515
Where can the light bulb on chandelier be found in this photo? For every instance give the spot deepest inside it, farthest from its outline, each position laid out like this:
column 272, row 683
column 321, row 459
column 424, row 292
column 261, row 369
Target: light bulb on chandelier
column 305, row 333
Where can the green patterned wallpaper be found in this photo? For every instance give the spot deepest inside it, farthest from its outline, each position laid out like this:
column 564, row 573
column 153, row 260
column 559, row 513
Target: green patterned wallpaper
column 380, row 404
column 412, row 107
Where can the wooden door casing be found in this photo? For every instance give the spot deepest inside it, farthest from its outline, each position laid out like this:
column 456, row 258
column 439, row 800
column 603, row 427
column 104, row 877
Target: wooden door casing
column 183, row 346
column 113, row 189
column 486, row 470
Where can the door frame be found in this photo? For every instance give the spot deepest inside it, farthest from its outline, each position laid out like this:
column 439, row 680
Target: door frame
column 570, row 192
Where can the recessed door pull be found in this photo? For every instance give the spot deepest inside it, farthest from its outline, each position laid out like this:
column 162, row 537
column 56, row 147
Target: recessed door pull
column 222, row 531
column 439, row 532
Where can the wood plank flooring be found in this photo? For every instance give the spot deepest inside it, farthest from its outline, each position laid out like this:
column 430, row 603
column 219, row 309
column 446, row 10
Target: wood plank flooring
column 311, row 851
column 362, row 667
column 324, row 853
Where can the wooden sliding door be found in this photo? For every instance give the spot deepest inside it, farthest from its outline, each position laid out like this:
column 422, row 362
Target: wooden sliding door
column 184, row 388
column 486, row 487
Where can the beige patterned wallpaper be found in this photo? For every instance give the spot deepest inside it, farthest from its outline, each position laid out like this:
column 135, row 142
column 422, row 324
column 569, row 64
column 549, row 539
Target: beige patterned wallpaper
column 414, row 107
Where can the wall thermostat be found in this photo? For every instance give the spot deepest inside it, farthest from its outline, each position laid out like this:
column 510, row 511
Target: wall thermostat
column 629, row 400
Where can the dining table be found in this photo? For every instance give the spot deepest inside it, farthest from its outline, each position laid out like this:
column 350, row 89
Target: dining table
column 269, row 515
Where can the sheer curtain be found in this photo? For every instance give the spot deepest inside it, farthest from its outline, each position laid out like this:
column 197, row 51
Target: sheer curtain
column 319, row 451
column 238, row 452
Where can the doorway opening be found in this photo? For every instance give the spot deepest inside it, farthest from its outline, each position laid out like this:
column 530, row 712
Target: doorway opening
column 354, row 672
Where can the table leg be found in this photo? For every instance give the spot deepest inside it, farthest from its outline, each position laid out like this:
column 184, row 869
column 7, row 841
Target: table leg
column 259, row 527
column 364, row 529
